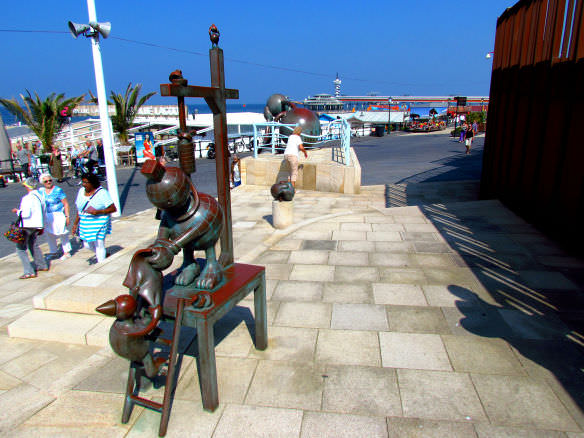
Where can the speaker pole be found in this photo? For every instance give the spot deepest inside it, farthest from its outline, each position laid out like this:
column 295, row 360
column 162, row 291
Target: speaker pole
column 106, row 134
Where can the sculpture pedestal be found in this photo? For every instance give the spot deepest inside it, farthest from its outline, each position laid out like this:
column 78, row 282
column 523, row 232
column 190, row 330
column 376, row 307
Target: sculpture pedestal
column 282, row 213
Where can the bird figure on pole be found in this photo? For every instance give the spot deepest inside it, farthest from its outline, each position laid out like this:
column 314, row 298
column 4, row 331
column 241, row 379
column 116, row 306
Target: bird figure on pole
column 214, row 35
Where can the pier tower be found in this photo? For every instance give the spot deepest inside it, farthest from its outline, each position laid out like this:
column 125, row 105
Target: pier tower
column 337, row 83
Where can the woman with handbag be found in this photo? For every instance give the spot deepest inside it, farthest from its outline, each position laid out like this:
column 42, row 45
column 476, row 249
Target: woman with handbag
column 94, row 206
column 56, row 215
column 31, row 214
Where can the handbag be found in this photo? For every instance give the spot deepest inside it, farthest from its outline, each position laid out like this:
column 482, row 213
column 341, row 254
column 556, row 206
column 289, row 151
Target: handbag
column 15, row 232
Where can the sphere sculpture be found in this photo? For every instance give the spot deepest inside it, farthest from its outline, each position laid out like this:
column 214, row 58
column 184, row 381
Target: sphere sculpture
column 283, row 191
column 280, row 109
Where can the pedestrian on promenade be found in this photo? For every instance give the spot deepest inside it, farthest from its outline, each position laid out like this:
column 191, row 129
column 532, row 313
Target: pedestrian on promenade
column 462, row 133
column 31, row 213
column 23, row 157
column 94, row 206
column 56, row 165
column 475, row 127
column 291, row 153
column 91, row 155
column 56, row 219
column 34, row 165
column 235, row 175
column 468, row 138
column 100, row 152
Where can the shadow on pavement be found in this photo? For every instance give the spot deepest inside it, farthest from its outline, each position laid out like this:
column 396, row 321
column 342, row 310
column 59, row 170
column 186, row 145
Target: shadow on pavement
column 532, row 295
column 126, row 189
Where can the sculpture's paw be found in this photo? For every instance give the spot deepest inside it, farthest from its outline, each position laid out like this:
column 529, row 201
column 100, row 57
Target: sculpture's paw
column 203, row 301
column 207, row 282
column 210, row 277
column 152, row 367
column 187, row 275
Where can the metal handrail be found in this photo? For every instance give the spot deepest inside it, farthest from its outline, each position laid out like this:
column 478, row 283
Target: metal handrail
column 271, row 138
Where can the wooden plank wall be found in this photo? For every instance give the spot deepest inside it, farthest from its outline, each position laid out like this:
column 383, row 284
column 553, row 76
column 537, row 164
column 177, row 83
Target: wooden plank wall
column 534, row 146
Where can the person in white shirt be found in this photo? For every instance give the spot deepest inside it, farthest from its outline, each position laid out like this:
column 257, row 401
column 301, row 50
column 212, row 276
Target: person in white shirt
column 31, row 213
column 291, row 153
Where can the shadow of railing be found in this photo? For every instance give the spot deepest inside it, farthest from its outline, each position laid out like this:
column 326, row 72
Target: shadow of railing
column 531, row 294
column 403, row 195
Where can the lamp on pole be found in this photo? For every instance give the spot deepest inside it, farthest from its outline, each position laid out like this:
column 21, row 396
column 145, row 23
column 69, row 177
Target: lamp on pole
column 93, row 30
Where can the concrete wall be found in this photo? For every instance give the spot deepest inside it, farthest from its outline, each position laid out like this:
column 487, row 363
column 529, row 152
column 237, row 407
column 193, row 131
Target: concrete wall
column 316, row 173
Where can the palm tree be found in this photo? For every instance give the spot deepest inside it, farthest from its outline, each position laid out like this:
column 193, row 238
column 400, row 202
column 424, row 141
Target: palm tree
column 127, row 107
column 44, row 117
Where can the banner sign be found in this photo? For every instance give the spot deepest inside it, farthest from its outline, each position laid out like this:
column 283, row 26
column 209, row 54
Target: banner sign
column 144, row 148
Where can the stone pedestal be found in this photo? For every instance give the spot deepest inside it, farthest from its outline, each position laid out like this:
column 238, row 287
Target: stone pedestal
column 282, row 213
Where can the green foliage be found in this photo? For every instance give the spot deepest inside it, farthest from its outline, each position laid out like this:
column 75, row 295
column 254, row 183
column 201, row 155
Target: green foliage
column 44, row 117
column 479, row 117
column 456, row 132
column 127, row 107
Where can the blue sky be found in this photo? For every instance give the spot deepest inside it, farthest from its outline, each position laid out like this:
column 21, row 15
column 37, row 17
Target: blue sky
column 416, row 47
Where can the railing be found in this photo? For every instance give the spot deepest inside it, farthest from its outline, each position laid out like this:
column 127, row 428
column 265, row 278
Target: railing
column 336, row 134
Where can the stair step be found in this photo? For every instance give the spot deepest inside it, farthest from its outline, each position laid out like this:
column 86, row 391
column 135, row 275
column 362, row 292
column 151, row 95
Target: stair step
column 70, row 328
column 76, row 299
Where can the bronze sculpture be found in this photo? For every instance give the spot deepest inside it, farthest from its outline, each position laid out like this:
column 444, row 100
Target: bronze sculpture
column 282, row 191
column 199, row 298
column 281, row 109
column 214, row 35
column 190, row 221
column 128, row 334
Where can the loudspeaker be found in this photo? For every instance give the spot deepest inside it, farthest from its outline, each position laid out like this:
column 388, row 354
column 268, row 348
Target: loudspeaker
column 77, row 29
column 103, row 28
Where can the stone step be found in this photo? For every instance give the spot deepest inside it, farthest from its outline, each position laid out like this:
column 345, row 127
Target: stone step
column 76, row 299
column 71, row 328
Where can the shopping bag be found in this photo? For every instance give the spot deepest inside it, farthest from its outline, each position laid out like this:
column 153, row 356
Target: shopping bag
column 15, row 232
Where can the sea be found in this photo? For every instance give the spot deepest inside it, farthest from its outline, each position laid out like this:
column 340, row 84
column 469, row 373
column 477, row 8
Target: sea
column 10, row 120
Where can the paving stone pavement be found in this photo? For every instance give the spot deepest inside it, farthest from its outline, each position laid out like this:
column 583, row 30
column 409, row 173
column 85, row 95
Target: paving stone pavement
column 449, row 319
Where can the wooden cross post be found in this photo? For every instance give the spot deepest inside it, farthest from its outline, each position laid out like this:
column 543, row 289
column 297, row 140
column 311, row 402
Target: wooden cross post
column 215, row 96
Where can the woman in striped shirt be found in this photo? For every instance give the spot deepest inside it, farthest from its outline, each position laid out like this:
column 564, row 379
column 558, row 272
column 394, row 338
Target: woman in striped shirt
column 94, row 206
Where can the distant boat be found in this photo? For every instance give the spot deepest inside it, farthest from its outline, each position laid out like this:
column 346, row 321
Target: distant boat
column 323, row 102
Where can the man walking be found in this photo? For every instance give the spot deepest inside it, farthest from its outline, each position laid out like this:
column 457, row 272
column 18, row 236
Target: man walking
column 91, row 154
column 23, row 157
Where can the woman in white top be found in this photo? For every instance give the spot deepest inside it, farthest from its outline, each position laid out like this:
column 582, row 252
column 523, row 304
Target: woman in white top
column 235, row 176
column 31, row 212
column 291, row 153
column 56, row 215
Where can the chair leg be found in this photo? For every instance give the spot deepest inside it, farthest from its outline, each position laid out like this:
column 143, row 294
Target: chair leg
column 172, row 359
column 261, row 323
column 207, row 365
column 132, row 388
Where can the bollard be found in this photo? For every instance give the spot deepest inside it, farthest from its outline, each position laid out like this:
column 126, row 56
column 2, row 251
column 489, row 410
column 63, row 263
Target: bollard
column 282, row 214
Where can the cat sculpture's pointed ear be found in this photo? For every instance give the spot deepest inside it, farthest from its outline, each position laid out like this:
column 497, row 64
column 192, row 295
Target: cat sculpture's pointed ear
column 153, row 170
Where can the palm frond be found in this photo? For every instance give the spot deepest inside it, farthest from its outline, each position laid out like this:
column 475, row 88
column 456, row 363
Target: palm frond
column 43, row 117
column 127, row 109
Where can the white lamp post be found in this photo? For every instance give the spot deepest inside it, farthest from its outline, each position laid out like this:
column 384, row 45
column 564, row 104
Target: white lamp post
column 93, row 30
column 389, row 102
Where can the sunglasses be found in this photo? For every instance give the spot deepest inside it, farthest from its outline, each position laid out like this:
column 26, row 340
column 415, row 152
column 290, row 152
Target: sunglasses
column 48, row 181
